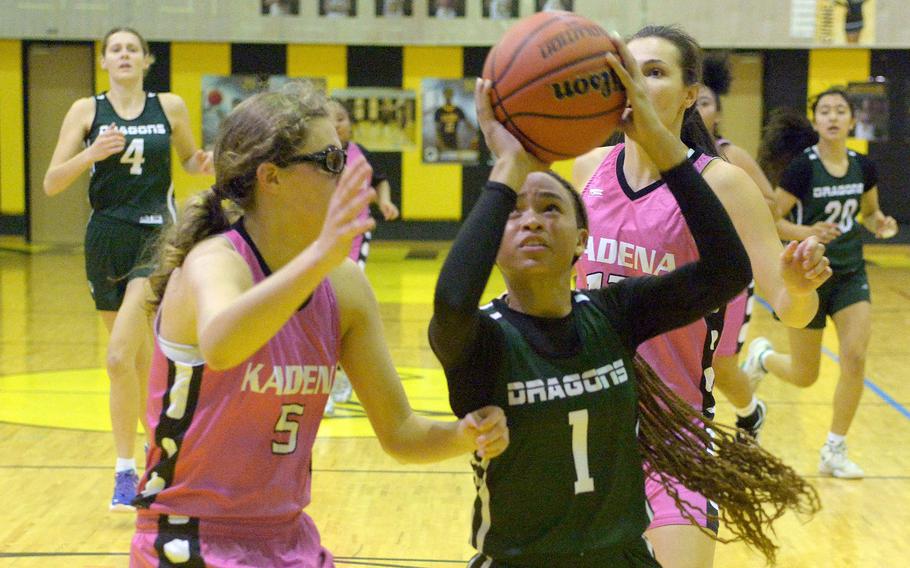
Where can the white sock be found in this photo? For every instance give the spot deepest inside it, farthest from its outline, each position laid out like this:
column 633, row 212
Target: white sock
column 124, row 464
column 835, row 439
column 748, row 409
column 761, row 358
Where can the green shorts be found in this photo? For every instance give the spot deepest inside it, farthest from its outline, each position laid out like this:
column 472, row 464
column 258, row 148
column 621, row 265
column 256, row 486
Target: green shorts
column 840, row 291
column 116, row 251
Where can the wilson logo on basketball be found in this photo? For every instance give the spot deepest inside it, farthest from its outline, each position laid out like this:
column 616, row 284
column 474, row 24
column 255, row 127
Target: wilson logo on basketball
column 554, row 44
column 603, row 82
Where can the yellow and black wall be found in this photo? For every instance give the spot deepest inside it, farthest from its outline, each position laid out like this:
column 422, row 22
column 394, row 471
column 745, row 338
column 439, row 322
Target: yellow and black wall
column 433, row 197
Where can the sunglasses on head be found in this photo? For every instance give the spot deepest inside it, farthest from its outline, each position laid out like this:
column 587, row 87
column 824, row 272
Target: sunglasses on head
column 331, row 159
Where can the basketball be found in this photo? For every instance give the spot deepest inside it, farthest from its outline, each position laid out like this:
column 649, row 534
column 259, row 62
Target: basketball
column 552, row 87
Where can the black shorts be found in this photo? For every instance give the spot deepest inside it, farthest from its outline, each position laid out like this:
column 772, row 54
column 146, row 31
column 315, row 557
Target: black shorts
column 116, row 251
column 840, row 291
column 637, row 554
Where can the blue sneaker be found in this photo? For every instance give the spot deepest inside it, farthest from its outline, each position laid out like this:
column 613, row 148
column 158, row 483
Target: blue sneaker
column 125, row 484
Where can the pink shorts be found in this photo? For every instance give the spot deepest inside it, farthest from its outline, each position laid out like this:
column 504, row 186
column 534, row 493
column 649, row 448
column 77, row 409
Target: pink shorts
column 736, row 323
column 169, row 540
column 667, row 513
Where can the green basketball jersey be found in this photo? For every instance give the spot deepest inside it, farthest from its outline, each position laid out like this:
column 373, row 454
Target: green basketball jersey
column 134, row 185
column 569, row 490
column 824, row 197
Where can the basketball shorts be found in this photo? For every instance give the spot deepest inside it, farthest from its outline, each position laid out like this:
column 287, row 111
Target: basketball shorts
column 116, row 251
column 842, row 290
column 638, row 554
column 667, row 513
column 736, row 323
column 172, row 541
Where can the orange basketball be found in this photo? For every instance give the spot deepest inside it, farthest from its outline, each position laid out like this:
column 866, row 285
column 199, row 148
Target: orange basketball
column 552, row 87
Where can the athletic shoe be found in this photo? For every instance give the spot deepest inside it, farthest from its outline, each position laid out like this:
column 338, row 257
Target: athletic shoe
column 751, row 425
column 341, row 388
column 752, row 366
column 834, row 462
column 329, row 409
column 125, row 484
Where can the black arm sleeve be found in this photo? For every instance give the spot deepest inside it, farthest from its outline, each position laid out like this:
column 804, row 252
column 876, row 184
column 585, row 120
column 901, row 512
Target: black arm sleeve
column 797, row 178
column 870, row 173
column 378, row 175
column 459, row 335
column 650, row 305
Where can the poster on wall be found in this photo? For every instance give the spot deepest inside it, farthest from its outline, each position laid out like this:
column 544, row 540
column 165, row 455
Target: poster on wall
column 221, row 93
column 394, row 8
column 450, row 133
column 845, row 22
column 551, row 5
column 872, row 116
column 382, row 120
column 280, row 7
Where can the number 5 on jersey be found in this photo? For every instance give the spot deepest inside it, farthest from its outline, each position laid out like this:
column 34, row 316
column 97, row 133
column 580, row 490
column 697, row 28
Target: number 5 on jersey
column 286, row 425
column 133, row 156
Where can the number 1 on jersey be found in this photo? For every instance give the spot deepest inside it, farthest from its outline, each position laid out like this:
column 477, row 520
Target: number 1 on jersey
column 133, row 156
column 578, row 419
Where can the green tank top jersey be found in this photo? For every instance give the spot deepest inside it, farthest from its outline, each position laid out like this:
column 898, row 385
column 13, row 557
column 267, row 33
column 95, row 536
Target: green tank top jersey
column 569, row 490
column 831, row 199
column 134, row 185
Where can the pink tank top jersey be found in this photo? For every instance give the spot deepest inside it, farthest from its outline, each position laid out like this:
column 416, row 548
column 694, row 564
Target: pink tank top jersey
column 636, row 233
column 360, row 247
column 236, row 444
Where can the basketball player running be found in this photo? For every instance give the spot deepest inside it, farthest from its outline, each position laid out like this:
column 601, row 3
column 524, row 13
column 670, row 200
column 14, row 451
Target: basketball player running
column 124, row 137
column 827, row 185
column 253, row 318
column 728, row 377
column 569, row 490
column 637, row 229
column 360, row 248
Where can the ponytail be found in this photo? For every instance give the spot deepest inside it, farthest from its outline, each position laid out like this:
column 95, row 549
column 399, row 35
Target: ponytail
column 787, row 133
column 695, row 134
column 751, row 487
column 203, row 216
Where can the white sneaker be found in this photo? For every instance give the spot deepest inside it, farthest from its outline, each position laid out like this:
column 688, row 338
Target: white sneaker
column 752, row 366
column 834, row 462
column 341, row 388
column 329, row 409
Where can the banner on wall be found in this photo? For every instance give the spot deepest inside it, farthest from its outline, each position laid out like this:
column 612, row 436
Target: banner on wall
column 382, row 120
column 221, row 93
column 872, row 115
column 845, row 22
column 450, row 133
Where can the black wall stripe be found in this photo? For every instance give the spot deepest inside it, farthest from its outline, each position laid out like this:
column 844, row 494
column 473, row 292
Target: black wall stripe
column 375, row 66
column 380, row 66
column 158, row 78
column 259, row 59
column 785, row 81
column 474, row 177
column 891, row 157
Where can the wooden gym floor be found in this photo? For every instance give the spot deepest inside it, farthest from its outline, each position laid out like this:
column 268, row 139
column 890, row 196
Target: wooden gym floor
column 56, row 456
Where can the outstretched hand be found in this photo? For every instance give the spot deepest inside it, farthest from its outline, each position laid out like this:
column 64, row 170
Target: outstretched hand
column 488, row 431
column 203, row 162
column 342, row 223
column 804, row 266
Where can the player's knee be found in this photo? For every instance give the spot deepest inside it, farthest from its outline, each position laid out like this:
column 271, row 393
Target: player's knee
column 806, row 377
column 853, row 358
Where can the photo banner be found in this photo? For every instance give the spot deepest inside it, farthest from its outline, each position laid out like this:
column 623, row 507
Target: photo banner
column 382, row 120
column 450, row 133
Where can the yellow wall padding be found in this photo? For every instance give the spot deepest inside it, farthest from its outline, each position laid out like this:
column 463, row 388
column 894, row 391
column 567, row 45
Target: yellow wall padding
column 189, row 62
column 429, row 191
column 836, row 68
column 328, row 61
column 12, row 142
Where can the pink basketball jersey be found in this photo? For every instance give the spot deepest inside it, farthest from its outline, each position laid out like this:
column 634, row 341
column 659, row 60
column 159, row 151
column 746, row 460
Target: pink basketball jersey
column 360, row 247
column 236, row 444
column 634, row 233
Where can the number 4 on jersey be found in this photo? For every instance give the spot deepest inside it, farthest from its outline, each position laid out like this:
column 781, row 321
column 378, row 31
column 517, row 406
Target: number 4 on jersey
column 133, row 156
